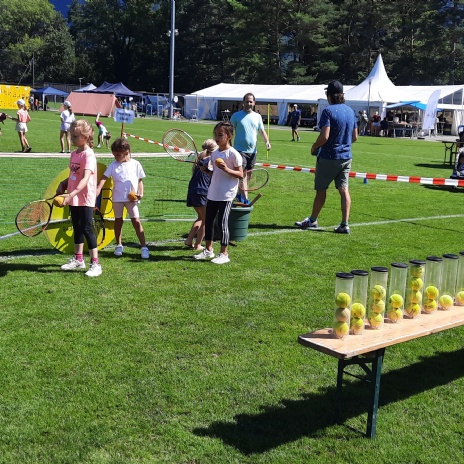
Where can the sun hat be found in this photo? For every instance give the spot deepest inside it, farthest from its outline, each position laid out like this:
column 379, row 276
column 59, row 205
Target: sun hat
column 334, row 87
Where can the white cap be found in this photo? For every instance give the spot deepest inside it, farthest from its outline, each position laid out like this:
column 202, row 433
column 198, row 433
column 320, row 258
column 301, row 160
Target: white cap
column 67, row 103
column 21, row 102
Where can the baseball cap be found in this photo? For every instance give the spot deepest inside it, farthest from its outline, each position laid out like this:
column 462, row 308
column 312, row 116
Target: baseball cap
column 20, row 102
column 67, row 103
column 334, row 87
column 295, row 105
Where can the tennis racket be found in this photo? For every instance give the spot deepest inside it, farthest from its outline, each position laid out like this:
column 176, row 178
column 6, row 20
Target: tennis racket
column 180, row 146
column 254, row 179
column 98, row 224
column 34, row 217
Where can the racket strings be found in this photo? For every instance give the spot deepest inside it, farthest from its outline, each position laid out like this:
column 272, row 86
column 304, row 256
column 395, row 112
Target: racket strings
column 33, row 218
column 179, row 146
column 255, row 179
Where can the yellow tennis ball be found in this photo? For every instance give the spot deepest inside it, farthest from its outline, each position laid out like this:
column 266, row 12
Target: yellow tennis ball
column 378, row 292
column 414, row 296
column 415, row 283
column 431, row 292
column 342, row 300
column 396, row 300
column 446, row 301
column 412, row 309
column 375, row 320
column 378, row 306
column 395, row 315
column 429, row 305
column 219, row 162
column 357, row 325
column 358, row 310
column 340, row 329
column 342, row 314
column 58, row 201
column 460, row 298
column 417, row 271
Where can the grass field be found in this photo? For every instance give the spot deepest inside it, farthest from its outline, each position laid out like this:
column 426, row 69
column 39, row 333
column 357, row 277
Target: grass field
column 176, row 361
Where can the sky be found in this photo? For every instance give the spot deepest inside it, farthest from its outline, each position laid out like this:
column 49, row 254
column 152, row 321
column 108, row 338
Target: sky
column 62, row 6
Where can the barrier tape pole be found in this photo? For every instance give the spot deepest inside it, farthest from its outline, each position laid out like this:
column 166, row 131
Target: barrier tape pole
column 373, row 176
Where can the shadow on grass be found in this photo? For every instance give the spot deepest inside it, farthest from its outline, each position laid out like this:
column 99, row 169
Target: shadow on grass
column 8, row 266
column 292, row 419
column 447, row 188
column 444, row 166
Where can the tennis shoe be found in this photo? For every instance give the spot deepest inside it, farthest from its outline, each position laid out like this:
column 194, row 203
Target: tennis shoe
column 307, row 224
column 342, row 229
column 144, row 253
column 246, row 201
column 204, row 254
column 240, row 198
column 95, row 270
column 118, row 250
column 221, row 259
column 73, row 264
column 298, row 139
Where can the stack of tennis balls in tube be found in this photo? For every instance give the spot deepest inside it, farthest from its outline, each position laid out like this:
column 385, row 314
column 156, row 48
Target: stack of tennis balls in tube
column 364, row 300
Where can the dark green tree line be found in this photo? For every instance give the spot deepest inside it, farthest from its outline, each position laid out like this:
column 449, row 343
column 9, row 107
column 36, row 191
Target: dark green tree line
column 243, row 41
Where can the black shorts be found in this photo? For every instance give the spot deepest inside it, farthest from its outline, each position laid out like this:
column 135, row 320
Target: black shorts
column 248, row 160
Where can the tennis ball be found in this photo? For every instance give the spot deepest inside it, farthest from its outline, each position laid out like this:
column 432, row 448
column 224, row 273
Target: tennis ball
column 358, row 310
column 342, row 300
column 342, row 314
column 431, row 292
column 429, row 305
column 219, row 162
column 460, row 298
column 446, row 301
column 132, row 196
column 340, row 329
column 395, row 315
column 357, row 325
column 378, row 292
column 414, row 296
column 378, row 306
column 415, row 283
column 412, row 310
column 375, row 320
column 396, row 301
column 58, row 201
column 417, row 271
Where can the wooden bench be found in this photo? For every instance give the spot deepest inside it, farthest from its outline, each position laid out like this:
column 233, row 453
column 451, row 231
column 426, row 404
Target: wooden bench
column 367, row 351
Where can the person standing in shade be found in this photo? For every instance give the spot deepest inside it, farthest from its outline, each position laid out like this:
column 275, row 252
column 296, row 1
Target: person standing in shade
column 247, row 124
column 295, row 120
column 338, row 130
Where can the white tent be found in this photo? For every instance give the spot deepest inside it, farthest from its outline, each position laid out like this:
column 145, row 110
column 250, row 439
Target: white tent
column 85, row 89
column 373, row 93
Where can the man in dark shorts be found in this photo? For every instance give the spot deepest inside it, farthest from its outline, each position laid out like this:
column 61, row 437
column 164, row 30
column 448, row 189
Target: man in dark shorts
column 295, row 120
column 338, row 130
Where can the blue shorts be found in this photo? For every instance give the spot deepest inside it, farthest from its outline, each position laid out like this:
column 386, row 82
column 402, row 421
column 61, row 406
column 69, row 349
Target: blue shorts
column 195, row 199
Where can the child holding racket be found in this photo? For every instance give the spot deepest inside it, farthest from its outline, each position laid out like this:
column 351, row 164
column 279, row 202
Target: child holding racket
column 196, row 194
column 127, row 174
column 227, row 170
column 81, row 186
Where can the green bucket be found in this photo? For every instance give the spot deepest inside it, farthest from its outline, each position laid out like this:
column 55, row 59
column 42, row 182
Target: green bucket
column 239, row 219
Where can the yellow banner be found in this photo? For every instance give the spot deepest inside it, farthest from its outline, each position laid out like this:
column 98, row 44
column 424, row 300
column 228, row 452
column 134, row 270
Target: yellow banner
column 10, row 94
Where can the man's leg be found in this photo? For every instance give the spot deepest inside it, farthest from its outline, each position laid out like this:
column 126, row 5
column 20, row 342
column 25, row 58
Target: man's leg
column 319, row 201
column 345, row 203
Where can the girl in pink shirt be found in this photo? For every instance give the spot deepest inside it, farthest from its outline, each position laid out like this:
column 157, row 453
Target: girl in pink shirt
column 81, row 187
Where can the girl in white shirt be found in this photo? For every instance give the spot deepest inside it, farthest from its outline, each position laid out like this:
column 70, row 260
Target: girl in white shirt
column 67, row 117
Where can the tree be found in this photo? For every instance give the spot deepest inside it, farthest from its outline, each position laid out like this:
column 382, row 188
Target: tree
column 33, row 29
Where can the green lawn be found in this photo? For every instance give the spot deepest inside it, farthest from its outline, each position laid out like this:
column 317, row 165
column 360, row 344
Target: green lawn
column 176, row 361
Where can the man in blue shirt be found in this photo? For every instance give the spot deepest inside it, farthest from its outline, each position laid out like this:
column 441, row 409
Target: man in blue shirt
column 247, row 124
column 295, row 120
column 338, row 130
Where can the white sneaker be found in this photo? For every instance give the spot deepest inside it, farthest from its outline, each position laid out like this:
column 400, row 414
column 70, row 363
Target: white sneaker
column 204, row 254
column 95, row 270
column 145, row 253
column 221, row 259
column 98, row 146
column 118, row 250
column 73, row 264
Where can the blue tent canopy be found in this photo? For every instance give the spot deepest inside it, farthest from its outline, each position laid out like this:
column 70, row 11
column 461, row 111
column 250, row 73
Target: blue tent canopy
column 51, row 91
column 118, row 89
column 415, row 104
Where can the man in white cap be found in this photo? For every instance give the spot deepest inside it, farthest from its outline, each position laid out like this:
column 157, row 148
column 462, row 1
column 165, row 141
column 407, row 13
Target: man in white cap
column 295, row 120
column 67, row 117
column 338, row 130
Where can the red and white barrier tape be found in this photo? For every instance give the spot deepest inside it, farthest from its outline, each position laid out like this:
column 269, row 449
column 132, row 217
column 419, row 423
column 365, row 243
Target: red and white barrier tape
column 125, row 134
column 369, row 175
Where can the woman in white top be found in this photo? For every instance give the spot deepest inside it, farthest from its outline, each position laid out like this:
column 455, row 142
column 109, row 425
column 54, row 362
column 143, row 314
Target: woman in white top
column 67, row 117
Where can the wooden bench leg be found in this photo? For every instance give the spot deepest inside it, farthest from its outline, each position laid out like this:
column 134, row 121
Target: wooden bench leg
column 373, row 374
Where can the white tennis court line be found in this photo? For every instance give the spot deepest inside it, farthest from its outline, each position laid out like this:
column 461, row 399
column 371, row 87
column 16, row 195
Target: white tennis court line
column 271, row 232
